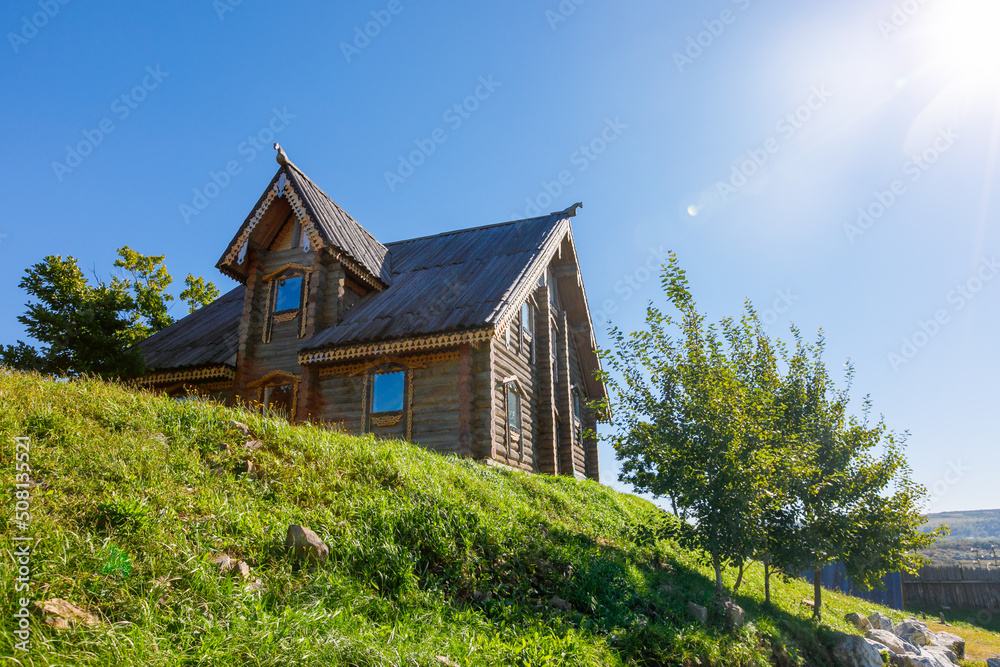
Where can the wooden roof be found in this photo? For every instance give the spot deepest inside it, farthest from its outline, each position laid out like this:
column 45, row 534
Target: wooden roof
column 450, row 282
column 208, row 336
column 336, row 230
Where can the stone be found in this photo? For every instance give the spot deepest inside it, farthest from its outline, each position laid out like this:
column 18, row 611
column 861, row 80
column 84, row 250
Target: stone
column 925, row 659
column 890, row 641
column 63, row 615
column 993, row 662
column 700, row 613
column 446, row 662
column 946, row 653
column 733, row 614
column 858, row 621
column 228, row 565
column 479, row 596
column 914, row 631
column 254, row 586
column 855, row 651
column 806, row 602
column 560, row 604
column 242, row 428
column 880, row 621
column 306, row 547
column 951, row 642
column 253, row 445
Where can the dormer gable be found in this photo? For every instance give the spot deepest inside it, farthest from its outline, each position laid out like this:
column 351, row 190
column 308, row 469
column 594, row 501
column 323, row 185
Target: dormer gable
column 294, row 211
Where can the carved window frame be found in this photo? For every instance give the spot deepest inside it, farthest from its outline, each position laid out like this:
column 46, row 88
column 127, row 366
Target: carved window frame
column 514, row 435
column 277, row 379
column 272, row 281
column 388, row 419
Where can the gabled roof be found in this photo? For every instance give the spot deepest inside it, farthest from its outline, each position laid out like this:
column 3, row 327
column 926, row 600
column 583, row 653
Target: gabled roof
column 207, row 337
column 336, row 230
column 457, row 281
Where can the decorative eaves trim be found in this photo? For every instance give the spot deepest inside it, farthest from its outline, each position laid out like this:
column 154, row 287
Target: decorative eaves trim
column 533, row 274
column 402, row 346
column 207, row 373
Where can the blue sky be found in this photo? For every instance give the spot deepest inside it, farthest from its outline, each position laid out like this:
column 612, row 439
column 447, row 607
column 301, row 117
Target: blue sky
column 835, row 163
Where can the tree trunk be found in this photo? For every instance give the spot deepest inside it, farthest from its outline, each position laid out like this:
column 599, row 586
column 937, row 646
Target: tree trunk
column 717, row 564
column 739, row 580
column 818, row 594
column 767, row 580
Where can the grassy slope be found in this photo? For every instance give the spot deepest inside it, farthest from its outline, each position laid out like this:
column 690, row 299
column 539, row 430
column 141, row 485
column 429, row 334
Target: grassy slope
column 138, row 496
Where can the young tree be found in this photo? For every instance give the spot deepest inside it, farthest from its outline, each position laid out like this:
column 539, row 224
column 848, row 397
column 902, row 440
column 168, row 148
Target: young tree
column 90, row 329
column 854, row 500
column 686, row 426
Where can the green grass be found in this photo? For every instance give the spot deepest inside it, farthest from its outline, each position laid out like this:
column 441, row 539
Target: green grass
column 137, row 496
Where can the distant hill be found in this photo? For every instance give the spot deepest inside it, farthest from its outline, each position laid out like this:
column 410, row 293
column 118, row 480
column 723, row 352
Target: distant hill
column 976, row 525
column 970, row 531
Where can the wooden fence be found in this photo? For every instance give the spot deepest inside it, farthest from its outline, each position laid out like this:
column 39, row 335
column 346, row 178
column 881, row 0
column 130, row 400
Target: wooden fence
column 835, row 578
column 956, row 587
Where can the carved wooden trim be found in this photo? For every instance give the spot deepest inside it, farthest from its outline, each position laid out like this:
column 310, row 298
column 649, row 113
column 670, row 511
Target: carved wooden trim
column 286, row 317
column 278, row 379
column 243, row 238
column 383, row 420
column 474, row 337
column 417, row 361
column 386, row 420
column 273, row 379
column 209, row 372
column 287, row 267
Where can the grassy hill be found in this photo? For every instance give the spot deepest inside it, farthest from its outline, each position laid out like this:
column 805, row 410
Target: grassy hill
column 429, row 555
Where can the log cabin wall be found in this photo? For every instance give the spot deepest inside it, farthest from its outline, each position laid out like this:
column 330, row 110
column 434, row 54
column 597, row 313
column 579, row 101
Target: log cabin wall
column 545, row 441
column 433, row 409
column 483, row 403
column 512, row 359
column 281, row 351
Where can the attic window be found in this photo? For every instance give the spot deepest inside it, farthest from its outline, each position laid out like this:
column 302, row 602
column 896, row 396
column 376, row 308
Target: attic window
column 288, row 295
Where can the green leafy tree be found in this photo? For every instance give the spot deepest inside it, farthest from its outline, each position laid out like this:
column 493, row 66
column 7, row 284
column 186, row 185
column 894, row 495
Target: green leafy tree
column 88, row 328
column 198, row 293
column 854, row 501
column 686, row 427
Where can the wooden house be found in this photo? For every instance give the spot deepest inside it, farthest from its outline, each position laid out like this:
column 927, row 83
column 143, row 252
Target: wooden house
column 475, row 342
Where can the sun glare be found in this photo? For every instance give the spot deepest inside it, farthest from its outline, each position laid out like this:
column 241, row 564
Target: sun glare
column 967, row 37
